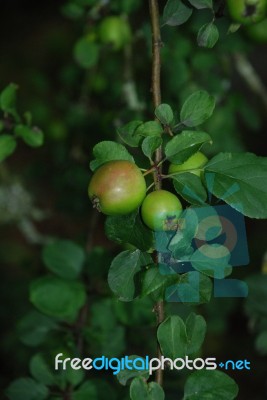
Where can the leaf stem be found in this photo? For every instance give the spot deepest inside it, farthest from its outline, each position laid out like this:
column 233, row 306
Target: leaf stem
column 156, row 94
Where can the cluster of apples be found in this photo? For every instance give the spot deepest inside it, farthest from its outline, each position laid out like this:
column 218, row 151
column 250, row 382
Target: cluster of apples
column 118, row 188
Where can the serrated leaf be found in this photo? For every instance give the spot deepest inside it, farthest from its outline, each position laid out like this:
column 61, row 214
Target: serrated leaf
column 184, row 145
column 194, row 288
column 150, row 144
column 149, row 128
column 172, row 337
column 190, row 187
column 126, row 374
column 64, row 258
column 27, row 388
column 86, row 52
column 8, row 98
column 210, row 385
column 129, row 229
column 7, row 146
column 122, row 272
column 239, row 179
column 109, row 151
column 175, row 13
column 140, row 389
column 64, row 300
column 197, row 108
column 32, row 136
column 129, row 134
column 200, row 4
column 208, row 35
column 164, row 113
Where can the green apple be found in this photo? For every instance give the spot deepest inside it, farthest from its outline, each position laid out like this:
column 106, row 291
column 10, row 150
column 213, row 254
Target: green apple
column 197, row 160
column 116, row 31
column 258, row 32
column 247, row 11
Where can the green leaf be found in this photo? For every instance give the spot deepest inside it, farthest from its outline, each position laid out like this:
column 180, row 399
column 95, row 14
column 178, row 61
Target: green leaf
column 210, row 385
column 41, row 371
column 8, row 98
column 72, row 376
column 208, row 35
column 129, row 229
column 150, row 128
column 150, row 145
column 7, row 146
column 34, row 328
column 126, row 374
column 184, row 145
column 129, row 134
column 103, row 387
column 34, row 137
column 196, row 328
column 240, row 180
column 193, row 288
column 64, row 258
column 175, row 13
column 139, row 389
column 122, row 273
column 172, row 337
column 212, row 260
column 109, row 151
column 197, row 108
column 164, row 113
column 200, row 4
column 153, row 280
column 234, row 27
column 58, row 298
column 86, row 52
column 136, row 312
column 190, row 187
column 103, row 326
column 85, row 392
column 27, row 388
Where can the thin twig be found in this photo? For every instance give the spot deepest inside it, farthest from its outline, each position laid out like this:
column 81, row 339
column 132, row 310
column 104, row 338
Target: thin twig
column 156, row 93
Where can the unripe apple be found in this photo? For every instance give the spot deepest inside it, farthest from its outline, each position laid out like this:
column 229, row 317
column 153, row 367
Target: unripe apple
column 160, row 210
column 197, row 160
column 117, row 187
column 247, row 11
column 116, row 31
